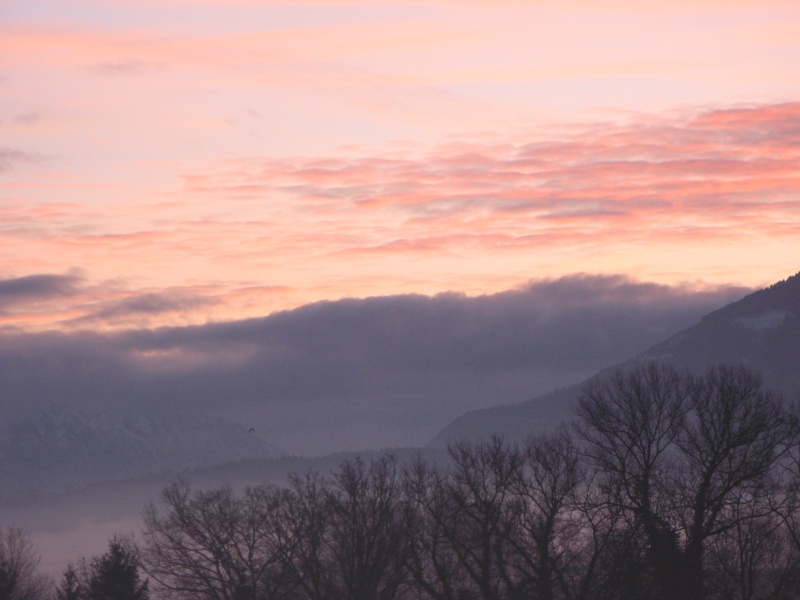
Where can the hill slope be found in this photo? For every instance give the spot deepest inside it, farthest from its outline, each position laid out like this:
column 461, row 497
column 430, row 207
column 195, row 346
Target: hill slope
column 761, row 332
column 57, row 449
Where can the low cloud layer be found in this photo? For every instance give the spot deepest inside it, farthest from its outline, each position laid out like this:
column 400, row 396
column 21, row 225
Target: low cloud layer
column 357, row 373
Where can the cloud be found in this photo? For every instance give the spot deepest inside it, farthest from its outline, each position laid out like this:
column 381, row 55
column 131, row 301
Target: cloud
column 144, row 305
column 130, row 66
column 720, row 176
column 9, row 157
column 37, row 287
column 357, row 373
column 709, row 194
column 666, row 171
column 27, row 118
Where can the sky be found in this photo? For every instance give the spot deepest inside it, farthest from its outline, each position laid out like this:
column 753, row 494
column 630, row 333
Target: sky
column 190, row 162
column 348, row 223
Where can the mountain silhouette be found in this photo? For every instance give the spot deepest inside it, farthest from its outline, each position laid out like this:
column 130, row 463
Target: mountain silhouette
column 59, row 449
column 761, row 332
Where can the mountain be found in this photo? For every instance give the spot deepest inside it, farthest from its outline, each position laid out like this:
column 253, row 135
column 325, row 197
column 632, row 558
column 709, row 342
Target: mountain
column 57, row 449
column 761, row 332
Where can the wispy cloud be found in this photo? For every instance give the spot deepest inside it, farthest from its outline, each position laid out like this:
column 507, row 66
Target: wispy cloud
column 730, row 170
column 121, row 67
column 27, row 118
column 138, row 309
column 10, row 157
column 670, row 196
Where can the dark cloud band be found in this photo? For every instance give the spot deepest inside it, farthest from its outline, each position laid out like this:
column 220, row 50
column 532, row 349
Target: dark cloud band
column 359, row 372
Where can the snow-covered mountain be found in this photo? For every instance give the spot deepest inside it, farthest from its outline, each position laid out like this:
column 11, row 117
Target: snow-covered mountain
column 761, row 332
column 57, row 449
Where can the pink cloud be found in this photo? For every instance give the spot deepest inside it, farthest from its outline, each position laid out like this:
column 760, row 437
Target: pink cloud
column 680, row 171
column 247, row 236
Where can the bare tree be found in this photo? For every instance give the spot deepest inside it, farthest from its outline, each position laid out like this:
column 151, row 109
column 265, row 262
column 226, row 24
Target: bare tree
column 674, row 486
column 789, row 506
column 754, row 559
column 308, row 523
column 569, row 541
column 629, row 425
column 433, row 560
column 547, row 525
column 19, row 561
column 349, row 532
column 217, row 545
column 734, row 438
column 675, row 452
column 369, row 531
column 464, row 549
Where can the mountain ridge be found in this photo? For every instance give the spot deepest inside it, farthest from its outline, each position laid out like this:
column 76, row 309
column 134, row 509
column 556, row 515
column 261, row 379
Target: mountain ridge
column 60, row 449
column 760, row 331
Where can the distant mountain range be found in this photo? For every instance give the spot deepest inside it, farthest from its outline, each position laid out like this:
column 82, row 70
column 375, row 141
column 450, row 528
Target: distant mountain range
column 761, row 332
column 62, row 449
column 58, row 449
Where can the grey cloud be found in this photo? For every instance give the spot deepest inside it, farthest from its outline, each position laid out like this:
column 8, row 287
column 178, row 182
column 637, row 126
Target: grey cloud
column 43, row 286
column 359, row 373
column 144, row 305
column 27, row 118
column 9, row 157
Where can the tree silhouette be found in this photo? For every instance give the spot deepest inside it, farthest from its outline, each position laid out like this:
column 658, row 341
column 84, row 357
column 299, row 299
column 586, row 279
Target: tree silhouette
column 73, row 585
column 115, row 574
column 217, row 543
column 672, row 486
column 18, row 563
column 677, row 452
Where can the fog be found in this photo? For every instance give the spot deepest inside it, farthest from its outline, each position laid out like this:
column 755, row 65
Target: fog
column 353, row 373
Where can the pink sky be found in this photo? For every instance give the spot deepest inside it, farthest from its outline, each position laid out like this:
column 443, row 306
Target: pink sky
column 188, row 161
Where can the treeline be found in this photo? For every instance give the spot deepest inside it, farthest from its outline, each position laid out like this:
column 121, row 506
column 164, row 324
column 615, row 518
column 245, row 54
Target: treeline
column 669, row 486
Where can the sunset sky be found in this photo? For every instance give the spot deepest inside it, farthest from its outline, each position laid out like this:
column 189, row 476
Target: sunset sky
column 190, row 161
column 342, row 225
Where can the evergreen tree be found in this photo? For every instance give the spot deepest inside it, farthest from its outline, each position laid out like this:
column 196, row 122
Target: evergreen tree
column 73, row 584
column 115, row 574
